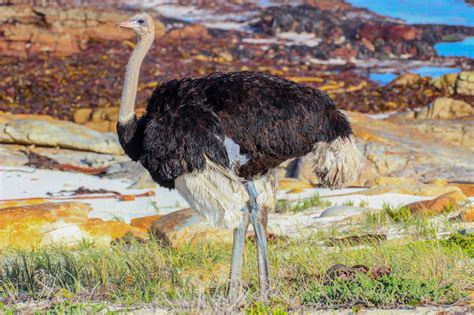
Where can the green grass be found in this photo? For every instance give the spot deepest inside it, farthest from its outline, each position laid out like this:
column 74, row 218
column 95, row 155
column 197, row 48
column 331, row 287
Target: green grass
column 384, row 292
column 402, row 218
column 132, row 274
column 287, row 206
column 464, row 242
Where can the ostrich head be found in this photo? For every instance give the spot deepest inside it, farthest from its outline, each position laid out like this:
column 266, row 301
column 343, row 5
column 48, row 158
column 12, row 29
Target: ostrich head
column 141, row 24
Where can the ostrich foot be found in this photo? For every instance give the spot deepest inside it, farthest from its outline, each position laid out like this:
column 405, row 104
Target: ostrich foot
column 235, row 284
column 261, row 240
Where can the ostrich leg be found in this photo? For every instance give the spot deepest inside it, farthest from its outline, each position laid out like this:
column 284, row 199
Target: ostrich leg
column 261, row 239
column 235, row 284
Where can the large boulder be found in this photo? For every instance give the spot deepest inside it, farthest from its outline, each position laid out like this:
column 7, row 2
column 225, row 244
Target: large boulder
column 465, row 83
column 186, row 227
column 446, row 108
column 445, row 83
column 38, row 223
column 49, row 132
column 444, row 203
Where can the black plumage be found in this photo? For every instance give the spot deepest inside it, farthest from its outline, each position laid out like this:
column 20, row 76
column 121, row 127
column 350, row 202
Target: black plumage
column 270, row 118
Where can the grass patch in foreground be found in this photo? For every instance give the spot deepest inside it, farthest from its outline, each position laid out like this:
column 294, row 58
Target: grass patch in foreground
column 133, row 274
column 287, row 206
column 387, row 291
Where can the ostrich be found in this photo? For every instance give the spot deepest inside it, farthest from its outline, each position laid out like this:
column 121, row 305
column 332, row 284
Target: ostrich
column 210, row 137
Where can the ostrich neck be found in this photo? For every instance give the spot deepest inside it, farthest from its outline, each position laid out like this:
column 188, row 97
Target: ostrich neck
column 129, row 93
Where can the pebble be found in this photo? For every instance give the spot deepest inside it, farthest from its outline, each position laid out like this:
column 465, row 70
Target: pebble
column 337, row 211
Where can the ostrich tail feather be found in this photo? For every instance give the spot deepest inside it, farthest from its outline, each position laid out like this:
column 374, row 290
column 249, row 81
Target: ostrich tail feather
column 337, row 163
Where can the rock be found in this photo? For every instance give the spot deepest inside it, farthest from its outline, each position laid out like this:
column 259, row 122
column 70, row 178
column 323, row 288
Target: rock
column 185, row 227
column 440, row 182
column 10, row 155
column 82, row 115
column 469, row 215
column 446, row 108
column 34, row 223
column 440, row 204
column 457, row 132
column 46, row 131
column 22, row 203
column 346, row 52
column 465, row 83
column 28, row 30
column 467, row 189
column 145, row 223
column 344, row 211
column 407, row 79
column 99, row 119
column 292, row 184
column 391, row 181
column 402, row 32
column 445, row 83
column 395, row 150
column 428, row 190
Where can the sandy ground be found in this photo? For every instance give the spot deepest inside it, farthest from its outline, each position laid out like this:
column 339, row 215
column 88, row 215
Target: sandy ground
column 17, row 183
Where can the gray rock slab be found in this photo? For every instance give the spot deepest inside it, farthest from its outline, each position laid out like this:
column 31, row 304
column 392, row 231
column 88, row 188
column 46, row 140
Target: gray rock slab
column 56, row 133
column 338, row 211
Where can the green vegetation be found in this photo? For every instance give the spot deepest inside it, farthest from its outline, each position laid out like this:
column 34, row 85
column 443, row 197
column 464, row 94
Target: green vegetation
column 287, row 206
column 89, row 279
column 402, row 218
column 464, row 242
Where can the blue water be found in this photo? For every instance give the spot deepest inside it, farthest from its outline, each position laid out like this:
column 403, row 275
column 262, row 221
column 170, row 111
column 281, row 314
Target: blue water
column 384, row 78
column 459, row 49
column 451, row 12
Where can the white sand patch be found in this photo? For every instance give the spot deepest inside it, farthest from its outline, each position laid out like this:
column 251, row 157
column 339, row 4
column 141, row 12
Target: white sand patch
column 17, row 183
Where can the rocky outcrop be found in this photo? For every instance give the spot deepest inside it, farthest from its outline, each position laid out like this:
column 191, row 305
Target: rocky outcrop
column 396, row 150
column 26, row 30
column 186, row 227
column 354, row 32
column 449, row 117
column 49, row 132
column 458, row 132
column 444, row 203
column 465, row 83
column 39, row 223
column 101, row 119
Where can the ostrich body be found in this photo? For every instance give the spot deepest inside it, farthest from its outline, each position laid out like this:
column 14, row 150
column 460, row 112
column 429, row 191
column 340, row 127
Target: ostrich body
column 209, row 137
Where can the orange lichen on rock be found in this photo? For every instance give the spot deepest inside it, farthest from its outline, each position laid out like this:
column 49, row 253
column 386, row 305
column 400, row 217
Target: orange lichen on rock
column 469, row 215
column 467, row 189
column 107, row 231
column 144, row 223
column 440, row 204
column 27, row 202
column 38, row 225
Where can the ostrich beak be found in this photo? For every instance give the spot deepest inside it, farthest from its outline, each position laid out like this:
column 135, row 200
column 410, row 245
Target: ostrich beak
column 126, row 24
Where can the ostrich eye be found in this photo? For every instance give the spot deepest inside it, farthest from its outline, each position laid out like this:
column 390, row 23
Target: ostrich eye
column 141, row 21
